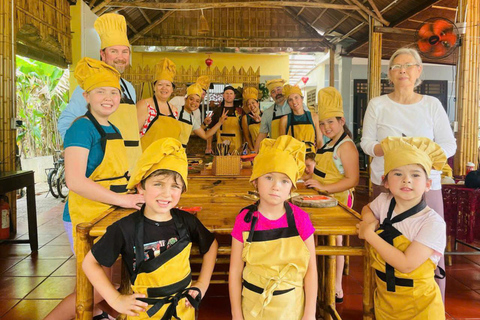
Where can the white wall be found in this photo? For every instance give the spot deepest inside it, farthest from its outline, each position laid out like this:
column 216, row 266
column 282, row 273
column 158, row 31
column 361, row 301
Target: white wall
column 90, row 38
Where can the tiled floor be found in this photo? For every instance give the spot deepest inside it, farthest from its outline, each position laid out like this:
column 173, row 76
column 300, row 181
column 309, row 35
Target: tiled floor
column 33, row 284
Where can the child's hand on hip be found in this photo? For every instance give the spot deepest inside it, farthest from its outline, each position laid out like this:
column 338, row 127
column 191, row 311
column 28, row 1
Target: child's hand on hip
column 195, row 293
column 364, row 227
column 129, row 305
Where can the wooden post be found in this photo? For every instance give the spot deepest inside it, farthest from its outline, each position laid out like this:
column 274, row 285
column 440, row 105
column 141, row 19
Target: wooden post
column 84, row 301
column 332, row 67
column 330, row 282
column 7, row 97
column 467, row 94
column 369, row 285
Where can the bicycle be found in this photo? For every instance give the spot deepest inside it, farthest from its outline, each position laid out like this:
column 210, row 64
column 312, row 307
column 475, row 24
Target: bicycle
column 56, row 177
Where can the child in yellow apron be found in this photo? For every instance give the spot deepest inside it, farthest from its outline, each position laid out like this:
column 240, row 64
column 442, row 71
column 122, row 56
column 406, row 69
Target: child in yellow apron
column 156, row 117
column 252, row 119
column 336, row 170
column 273, row 272
column 411, row 238
column 188, row 122
column 300, row 124
column 95, row 158
column 155, row 243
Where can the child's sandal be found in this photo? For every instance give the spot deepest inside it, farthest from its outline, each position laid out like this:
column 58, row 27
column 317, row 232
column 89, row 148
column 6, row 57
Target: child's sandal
column 101, row 316
column 338, row 299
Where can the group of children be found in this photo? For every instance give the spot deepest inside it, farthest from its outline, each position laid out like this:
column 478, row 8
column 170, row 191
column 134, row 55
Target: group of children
column 272, row 271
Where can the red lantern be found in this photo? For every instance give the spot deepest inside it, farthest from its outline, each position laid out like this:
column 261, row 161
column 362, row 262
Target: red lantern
column 304, row 80
column 208, row 62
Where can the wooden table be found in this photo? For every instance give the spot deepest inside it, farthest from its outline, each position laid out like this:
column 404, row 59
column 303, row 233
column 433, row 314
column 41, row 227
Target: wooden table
column 221, row 200
column 14, row 180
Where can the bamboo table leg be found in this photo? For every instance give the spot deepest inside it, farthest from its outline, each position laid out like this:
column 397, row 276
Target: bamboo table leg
column 330, row 281
column 368, row 286
column 84, row 302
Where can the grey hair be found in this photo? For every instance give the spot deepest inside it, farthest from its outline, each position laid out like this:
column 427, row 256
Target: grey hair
column 410, row 51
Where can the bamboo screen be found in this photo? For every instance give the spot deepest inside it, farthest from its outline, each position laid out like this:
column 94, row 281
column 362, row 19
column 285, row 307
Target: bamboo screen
column 142, row 77
column 43, row 26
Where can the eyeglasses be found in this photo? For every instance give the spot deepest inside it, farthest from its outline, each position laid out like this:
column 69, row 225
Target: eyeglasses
column 397, row 67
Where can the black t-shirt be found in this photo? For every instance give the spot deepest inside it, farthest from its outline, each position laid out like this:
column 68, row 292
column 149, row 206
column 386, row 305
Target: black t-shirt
column 158, row 237
column 217, row 113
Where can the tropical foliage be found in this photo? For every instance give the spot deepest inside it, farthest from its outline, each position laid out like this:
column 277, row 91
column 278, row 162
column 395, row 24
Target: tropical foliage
column 42, row 94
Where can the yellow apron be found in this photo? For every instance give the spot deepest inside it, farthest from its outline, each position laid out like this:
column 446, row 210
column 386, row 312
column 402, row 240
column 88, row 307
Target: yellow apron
column 186, row 127
column 303, row 130
column 275, row 126
column 111, row 174
column 122, row 119
column 162, row 126
column 253, row 127
column 230, row 130
column 164, row 279
column 404, row 296
column 276, row 262
column 326, row 171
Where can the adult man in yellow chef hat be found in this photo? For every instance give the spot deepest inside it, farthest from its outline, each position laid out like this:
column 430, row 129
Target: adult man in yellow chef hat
column 270, row 125
column 114, row 51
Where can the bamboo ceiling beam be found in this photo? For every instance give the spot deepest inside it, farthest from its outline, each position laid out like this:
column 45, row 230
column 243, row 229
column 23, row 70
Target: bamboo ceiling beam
column 307, row 26
column 131, row 26
column 152, row 25
column 145, row 15
column 222, row 5
column 322, row 13
column 336, row 25
column 375, row 9
column 92, row 3
column 100, row 6
column 360, row 12
column 301, row 10
column 370, row 13
column 410, row 32
column 178, row 36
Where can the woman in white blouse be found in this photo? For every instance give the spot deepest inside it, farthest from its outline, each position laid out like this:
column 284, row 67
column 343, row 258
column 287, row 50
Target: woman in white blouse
column 407, row 113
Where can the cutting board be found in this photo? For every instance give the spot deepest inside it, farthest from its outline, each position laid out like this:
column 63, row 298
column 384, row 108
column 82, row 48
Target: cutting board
column 317, row 201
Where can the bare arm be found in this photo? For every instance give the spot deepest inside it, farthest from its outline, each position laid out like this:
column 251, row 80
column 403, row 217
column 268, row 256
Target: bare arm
column 405, row 262
column 367, row 214
column 76, row 159
column 235, row 279
column 142, row 113
column 311, row 282
column 260, row 137
column 126, row 304
column 349, row 156
column 208, row 134
column 206, row 271
column 318, row 132
column 246, row 133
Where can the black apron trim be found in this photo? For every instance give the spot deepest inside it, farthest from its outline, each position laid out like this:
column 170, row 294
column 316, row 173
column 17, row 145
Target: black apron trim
column 250, row 120
column 125, row 175
column 170, row 289
column 390, row 233
column 227, row 134
column 274, row 234
column 274, row 116
column 319, row 173
column 398, row 281
column 181, row 119
column 173, row 300
column 125, row 99
column 159, row 114
column 103, row 135
column 131, row 143
column 118, row 188
column 152, row 265
column 259, row 290
column 292, row 123
column 324, row 149
column 442, row 273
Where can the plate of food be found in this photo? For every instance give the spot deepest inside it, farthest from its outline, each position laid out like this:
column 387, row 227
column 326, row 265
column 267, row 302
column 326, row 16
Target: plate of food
column 315, row 201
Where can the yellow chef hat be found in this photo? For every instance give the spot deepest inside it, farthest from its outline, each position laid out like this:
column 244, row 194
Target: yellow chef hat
column 204, row 82
column 288, row 90
column 92, row 73
column 401, row 151
column 165, row 69
column 272, row 84
column 165, row 153
column 330, row 103
column 112, row 29
column 195, row 89
column 250, row 93
column 285, row 155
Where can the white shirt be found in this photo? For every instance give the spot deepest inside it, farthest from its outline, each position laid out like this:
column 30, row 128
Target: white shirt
column 426, row 227
column 190, row 117
column 426, row 118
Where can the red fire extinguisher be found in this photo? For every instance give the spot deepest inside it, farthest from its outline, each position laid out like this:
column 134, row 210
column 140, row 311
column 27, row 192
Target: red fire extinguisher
column 5, row 216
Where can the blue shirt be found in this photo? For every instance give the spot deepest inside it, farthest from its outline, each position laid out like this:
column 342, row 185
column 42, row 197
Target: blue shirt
column 267, row 117
column 83, row 133
column 78, row 106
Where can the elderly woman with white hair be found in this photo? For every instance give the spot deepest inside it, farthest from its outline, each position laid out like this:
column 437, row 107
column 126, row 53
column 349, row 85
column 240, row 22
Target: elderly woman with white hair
column 404, row 112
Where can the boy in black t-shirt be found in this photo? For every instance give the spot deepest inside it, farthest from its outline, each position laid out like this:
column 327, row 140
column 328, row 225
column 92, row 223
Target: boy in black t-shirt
column 155, row 242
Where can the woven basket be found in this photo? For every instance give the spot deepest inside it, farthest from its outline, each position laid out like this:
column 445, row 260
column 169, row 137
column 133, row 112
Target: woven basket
column 226, row 165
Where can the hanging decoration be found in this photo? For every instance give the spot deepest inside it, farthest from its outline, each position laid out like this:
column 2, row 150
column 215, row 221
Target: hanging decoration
column 204, row 28
column 305, row 80
column 208, row 61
